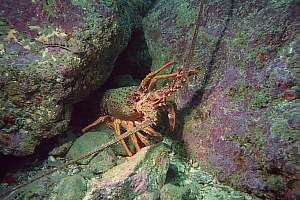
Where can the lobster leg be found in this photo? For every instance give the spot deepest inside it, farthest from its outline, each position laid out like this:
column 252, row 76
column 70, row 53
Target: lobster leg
column 143, row 139
column 117, row 124
column 133, row 138
column 95, row 123
column 171, row 109
column 146, row 81
column 160, row 77
column 154, row 80
column 153, row 133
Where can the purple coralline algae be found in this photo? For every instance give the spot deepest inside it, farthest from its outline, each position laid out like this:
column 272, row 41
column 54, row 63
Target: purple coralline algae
column 241, row 113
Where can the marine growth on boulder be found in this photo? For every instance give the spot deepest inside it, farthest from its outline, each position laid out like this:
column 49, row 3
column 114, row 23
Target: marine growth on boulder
column 237, row 118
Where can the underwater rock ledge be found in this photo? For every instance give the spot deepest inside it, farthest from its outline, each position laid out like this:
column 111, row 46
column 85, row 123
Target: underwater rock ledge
column 52, row 56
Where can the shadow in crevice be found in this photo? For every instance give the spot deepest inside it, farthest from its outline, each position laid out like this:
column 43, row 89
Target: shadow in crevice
column 135, row 58
column 11, row 164
column 198, row 94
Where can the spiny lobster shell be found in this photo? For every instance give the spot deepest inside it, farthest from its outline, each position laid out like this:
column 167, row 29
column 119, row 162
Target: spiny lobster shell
column 121, row 103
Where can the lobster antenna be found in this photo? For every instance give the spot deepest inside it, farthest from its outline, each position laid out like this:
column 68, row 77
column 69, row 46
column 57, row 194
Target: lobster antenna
column 198, row 22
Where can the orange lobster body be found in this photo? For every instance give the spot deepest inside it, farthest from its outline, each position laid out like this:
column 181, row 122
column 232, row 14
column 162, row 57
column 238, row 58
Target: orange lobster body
column 127, row 107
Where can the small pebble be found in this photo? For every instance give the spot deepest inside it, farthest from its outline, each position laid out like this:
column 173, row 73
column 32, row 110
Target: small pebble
column 51, row 159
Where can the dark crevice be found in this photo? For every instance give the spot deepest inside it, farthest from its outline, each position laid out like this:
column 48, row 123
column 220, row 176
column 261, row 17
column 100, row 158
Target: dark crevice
column 135, row 59
column 14, row 163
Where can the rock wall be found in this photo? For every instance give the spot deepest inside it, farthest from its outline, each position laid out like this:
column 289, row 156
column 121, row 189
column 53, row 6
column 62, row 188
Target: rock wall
column 241, row 113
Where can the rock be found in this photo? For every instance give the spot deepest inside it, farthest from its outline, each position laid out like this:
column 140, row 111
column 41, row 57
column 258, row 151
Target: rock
column 183, row 187
column 171, row 192
column 182, row 173
column 93, row 139
column 52, row 56
column 65, row 142
column 72, row 187
column 154, row 195
column 235, row 118
column 27, row 192
column 187, row 181
column 51, row 159
column 39, row 189
column 143, row 173
column 145, row 176
column 103, row 162
column 89, row 142
column 216, row 192
column 275, row 182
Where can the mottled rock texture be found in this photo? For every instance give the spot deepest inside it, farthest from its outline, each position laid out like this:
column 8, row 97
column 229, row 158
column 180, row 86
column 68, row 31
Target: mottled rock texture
column 72, row 187
column 186, row 180
column 39, row 83
column 143, row 173
column 241, row 113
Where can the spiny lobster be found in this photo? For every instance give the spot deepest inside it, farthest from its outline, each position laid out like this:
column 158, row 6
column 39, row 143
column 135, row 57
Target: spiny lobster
column 127, row 106
column 140, row 109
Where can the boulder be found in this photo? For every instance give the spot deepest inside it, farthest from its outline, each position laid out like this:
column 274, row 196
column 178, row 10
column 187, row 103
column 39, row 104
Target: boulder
column 140, row 175
column 53, row 54
column 93, row 139
column 153, row 173
column 240, row 112
column 90, row 141
column 72, row 187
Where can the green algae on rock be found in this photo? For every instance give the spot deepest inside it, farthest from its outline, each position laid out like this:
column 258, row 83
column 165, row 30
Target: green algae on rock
column 152, row 173
column 144, row 172
column 239, row 114
column 55, row 58
column 91, row 140
column 72, row 187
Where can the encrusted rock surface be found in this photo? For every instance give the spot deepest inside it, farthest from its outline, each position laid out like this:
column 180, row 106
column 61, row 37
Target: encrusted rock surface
column 186, row 180
column 154, row 173
column 144, row 172
column 242, row 109
column 39, row 83
column 72, row 187
column 93, row 139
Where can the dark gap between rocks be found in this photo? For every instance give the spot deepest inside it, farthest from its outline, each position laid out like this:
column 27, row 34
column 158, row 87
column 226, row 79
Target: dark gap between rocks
column 11, row 164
